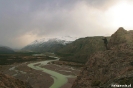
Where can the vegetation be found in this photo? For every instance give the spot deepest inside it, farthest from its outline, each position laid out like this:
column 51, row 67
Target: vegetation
column 81, row 49
column 19, row 57
column 114, row 66
column 6, row 50
column 77, row 51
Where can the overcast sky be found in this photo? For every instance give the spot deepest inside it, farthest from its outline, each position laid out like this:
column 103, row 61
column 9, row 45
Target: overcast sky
column 23, row 21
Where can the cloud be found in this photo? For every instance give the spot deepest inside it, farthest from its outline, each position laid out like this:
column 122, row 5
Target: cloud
column 26, row 20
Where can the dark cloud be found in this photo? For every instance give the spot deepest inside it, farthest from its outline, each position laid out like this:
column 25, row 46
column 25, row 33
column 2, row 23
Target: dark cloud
column 33, row 19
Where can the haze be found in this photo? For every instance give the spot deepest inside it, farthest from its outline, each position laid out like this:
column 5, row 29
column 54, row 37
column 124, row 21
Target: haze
column 23, row 21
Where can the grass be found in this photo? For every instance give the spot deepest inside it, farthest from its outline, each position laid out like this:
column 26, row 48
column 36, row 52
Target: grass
column 7, row 59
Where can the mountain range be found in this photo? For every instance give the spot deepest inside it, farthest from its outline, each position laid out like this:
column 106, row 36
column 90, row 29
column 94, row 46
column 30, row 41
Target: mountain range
column 42, row 45
column 75, row 51
column 6, row 50
column 103, row 68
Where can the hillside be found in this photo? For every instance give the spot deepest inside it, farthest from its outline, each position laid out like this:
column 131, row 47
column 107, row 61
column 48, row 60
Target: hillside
column 121, row 38
column 76, row 51
column 10, row 82
column 109, row 67
column 81, row 49
column 5, row 50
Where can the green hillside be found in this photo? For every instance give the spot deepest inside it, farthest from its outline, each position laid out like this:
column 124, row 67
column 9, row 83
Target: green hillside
column 6, row 50
column 81, row 49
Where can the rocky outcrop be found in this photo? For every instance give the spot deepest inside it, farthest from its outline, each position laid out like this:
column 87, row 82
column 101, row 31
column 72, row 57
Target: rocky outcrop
column 10, row 82
column 114, row 66
column 121, row 39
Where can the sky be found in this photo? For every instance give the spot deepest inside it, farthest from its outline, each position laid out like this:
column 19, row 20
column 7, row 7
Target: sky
column 23, row 21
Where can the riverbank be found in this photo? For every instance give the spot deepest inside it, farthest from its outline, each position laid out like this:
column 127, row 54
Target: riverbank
column 37, row 78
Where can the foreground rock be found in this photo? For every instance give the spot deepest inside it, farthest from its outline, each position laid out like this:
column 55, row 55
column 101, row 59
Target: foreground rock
column 10, row 82
column 114, row 66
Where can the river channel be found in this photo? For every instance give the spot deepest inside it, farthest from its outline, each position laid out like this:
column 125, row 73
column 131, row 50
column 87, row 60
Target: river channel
column 59, row 79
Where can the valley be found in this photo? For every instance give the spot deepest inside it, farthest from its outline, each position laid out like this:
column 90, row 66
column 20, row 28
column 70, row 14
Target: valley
column 36, row 71
column 83, row 63
column 66, row 43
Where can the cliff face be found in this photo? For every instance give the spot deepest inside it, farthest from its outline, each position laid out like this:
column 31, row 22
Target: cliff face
column 10, row 82
column 114, row 66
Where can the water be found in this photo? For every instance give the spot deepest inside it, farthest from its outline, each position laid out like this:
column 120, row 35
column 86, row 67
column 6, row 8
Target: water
column 59, row 79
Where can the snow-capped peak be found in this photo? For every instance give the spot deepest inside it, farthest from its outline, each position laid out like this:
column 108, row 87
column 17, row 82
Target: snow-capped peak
column 62, row 40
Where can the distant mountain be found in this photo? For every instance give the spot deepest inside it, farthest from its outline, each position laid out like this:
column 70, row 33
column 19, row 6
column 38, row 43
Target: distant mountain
column 6, row 50
column 10, row 82
column 104, row 69
column 46, row 45
column 81, row 49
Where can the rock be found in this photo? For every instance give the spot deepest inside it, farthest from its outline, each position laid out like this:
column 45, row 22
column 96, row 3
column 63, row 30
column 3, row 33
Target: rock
column 121, row 39
column 111, row 66
column 10, row 82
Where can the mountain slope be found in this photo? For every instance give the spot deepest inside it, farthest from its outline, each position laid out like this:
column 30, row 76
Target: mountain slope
column 51, row 45
column 109, row 67
column 10, row 82
column 81, row 49
column 5, row 50
column 121, row 38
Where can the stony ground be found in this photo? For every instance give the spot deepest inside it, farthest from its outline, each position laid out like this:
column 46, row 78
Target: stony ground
column 37, row 78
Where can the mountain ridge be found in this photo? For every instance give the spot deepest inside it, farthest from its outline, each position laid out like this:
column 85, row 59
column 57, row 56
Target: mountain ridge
column 81, row 49
column 50, row 45
column 6, row 50
column 114, row 66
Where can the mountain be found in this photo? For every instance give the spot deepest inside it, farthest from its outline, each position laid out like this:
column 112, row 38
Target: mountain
column 43, row 45
column 76, row 51
column 121, row 38
column 5, row 50
column 10, row 82
column 106, row 68
column 81, row 49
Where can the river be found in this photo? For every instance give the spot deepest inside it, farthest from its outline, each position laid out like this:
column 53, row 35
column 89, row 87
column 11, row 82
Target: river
column 59, row 79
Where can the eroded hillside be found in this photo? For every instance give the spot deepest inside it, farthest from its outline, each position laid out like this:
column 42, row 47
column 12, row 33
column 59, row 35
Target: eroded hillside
column 114, row 66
